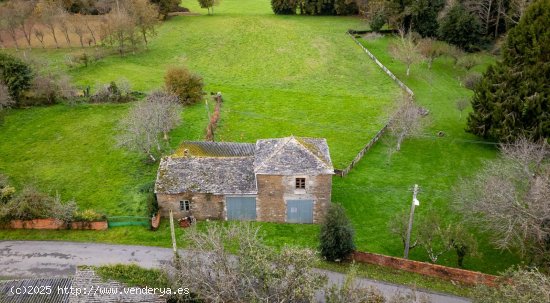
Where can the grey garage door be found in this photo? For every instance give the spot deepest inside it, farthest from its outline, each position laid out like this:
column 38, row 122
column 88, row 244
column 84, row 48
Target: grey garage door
column 241, row 208
column 299, row 211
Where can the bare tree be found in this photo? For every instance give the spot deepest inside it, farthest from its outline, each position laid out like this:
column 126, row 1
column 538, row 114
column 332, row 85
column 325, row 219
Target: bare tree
column 398, row 226
column 461, row 104
column 119, row 29
column 10, row 22
column 78, row 28
column 430, row 50
column 65, row 26
column 509, row 198
column 517, row 9
column 484, row 10
column 406, row 50
column 49, row 13
column 257, row 273
column 39, row 34
column 406, row 121
column 88, row 25
column 24, row 14
column 6, row 101
column 168, row 111
column 147, row 122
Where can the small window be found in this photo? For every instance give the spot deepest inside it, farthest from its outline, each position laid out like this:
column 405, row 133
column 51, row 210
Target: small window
column 300, row 183
column 184, row 205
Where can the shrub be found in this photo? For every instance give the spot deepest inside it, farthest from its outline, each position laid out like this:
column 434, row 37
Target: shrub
column 30, row 204
column 16, row 74
column 377, row 22
column 116, row 92
column 89, row 215
column 352, row 292
column 336, row 234
column 516, row 286
column 6, row 101
column 182, row 83
column 471, row 80
column 284, row 7
column 468, row 62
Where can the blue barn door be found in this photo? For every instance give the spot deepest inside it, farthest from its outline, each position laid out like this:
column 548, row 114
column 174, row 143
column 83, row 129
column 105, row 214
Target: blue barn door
column 241, row 208
column 299, row 211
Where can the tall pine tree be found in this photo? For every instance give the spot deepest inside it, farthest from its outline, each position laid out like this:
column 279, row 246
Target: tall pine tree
column 512, row 99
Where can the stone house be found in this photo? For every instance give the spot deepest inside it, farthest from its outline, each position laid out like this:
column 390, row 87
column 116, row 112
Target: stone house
column 276, row 180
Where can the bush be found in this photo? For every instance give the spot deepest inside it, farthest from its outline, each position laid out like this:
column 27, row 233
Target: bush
column 115, row 92
column 471, row 80
column 284, row 7
column 16, row 74
column 88, row 215
column 182, row 83
column 468, row 62
column 516, row 286
column 336, row 234
column 461, row 28
column 32, row 204
column 377, row 22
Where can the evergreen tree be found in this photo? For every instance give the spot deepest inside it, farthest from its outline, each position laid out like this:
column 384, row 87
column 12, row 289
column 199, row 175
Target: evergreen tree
column 336, row 234
column 424, row 16
column 513, row 97
column 461, row 28
column 16, row 74
column 284, row 7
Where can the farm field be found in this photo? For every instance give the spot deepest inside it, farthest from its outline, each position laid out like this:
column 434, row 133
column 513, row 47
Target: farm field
column 280, row 76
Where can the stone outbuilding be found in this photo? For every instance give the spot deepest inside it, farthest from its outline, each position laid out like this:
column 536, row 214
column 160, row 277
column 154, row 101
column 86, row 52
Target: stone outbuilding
column 275, row 180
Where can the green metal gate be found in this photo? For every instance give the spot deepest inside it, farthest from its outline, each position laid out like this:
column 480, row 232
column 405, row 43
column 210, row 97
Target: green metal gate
column 299, row 211
column 241, row 208
column 118, row 221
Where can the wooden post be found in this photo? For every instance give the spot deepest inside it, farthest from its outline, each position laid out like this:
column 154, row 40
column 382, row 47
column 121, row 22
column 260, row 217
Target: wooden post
column 413, row 204
column 173, row 233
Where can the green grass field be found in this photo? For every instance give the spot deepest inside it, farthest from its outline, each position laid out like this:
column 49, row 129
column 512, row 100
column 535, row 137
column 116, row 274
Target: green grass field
column 280, row 75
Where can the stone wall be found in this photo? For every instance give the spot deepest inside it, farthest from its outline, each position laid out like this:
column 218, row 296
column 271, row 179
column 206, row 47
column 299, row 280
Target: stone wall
column 428, row 269
column 51, row 223
column 274, row 191
column 203, row 206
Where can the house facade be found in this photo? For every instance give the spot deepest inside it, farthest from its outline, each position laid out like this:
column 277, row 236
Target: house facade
column 275, row 180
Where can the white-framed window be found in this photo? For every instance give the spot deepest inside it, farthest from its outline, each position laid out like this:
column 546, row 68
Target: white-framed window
column 300, row 183
column 185, row 205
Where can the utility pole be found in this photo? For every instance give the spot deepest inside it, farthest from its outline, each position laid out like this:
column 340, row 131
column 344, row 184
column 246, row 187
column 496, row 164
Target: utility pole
column 414, row 203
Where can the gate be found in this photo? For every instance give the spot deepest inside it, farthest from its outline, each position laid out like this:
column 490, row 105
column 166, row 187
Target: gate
column 241, row 208
column 299, row 211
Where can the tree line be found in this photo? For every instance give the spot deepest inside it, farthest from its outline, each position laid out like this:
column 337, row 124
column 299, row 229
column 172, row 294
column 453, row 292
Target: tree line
column 126, row 25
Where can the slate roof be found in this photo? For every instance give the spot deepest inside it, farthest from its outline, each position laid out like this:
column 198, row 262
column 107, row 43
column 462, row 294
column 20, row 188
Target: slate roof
column 223, row 175
column 292, row 155
column 6, row 288
column 215, row 149
column 230, row 168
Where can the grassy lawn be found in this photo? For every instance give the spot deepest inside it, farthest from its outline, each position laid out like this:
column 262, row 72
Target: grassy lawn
column 280, row 75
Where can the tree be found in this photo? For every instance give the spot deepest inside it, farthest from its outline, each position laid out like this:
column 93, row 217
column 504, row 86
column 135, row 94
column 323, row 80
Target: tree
column 147, row 121
column 256, row 273
column 65, row 26
column 209, row 4
column 461, row 104
column 78, row 28
column 16, row 74
column 284, row 7
column 49, row 13
column 336, row 234
column 144, row 16
column 406, row 51
column 398, row 226
column 166, row 6
column 24, row 14
column 184, row 84
column 468, row 62
column 517, row 285
column 511, row 99
column 461, row 28
column 406, row 121
column 430, row 50
column 10, row 22
column 424, row 16
column 509, row 198
column 39, row 34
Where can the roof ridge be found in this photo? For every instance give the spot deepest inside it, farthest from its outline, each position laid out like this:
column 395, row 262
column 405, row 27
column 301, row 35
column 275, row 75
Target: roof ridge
column 309, row 151
column 273, row 153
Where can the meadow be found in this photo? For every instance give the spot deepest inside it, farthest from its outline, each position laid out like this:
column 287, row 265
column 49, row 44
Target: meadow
column 280, row 76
